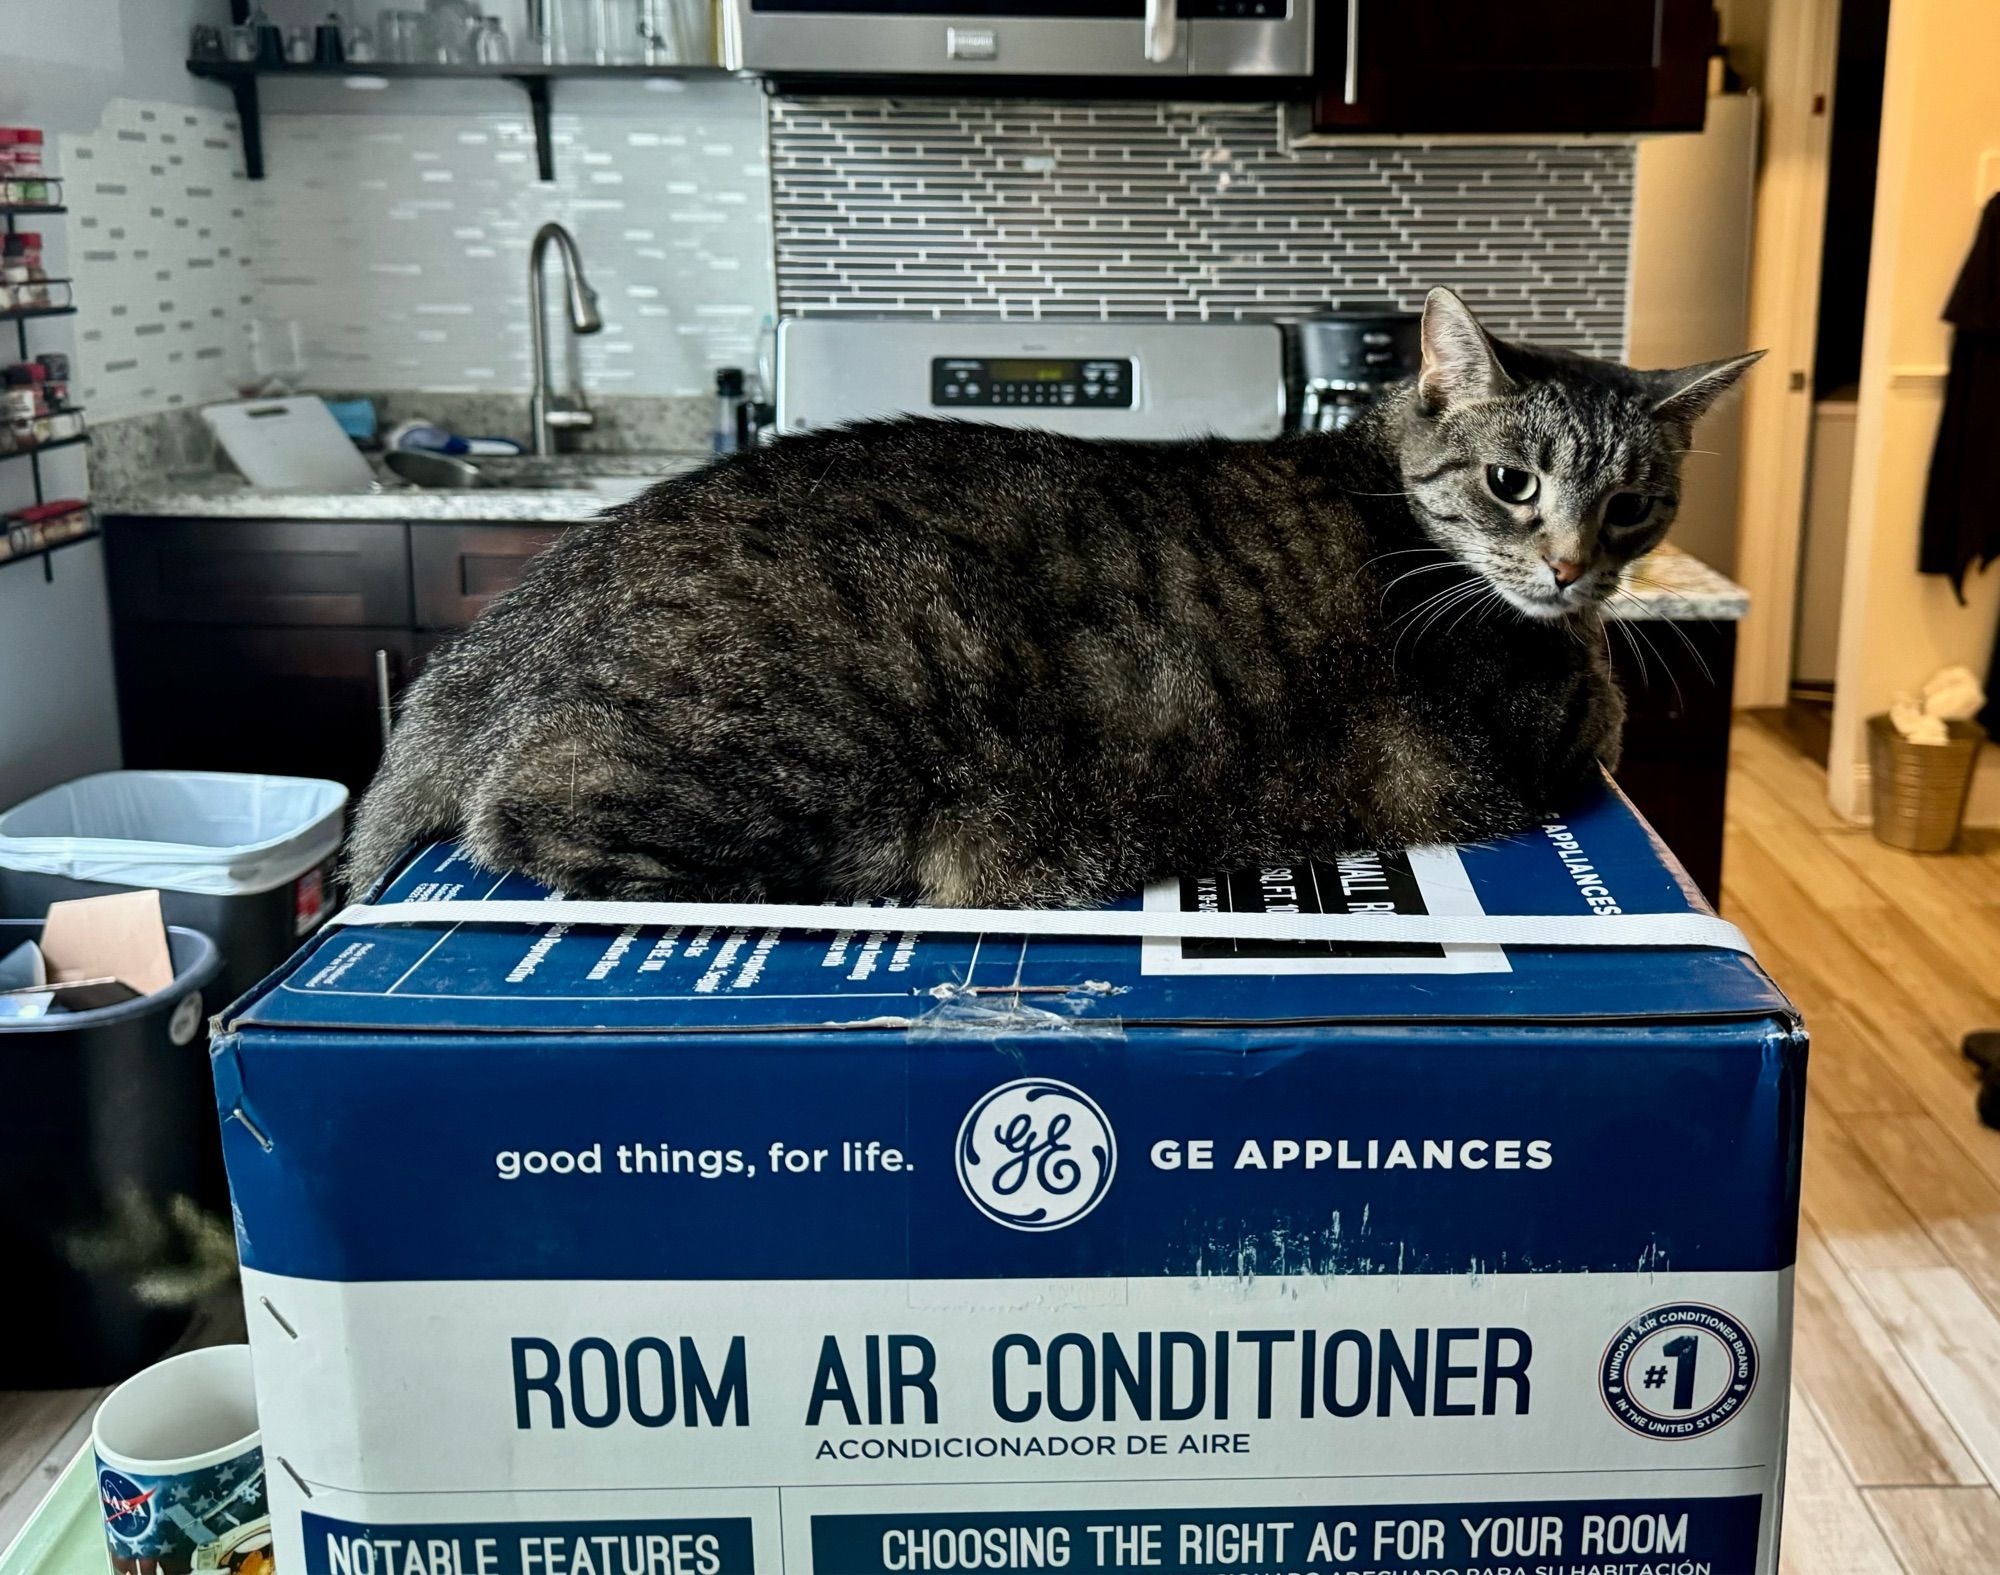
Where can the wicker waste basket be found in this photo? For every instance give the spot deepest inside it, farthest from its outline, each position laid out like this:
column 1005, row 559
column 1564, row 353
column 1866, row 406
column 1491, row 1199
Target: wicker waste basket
column 1920, row 789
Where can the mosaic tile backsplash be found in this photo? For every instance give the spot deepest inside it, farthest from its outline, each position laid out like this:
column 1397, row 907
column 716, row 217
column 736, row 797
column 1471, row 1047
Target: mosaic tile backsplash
column 158, row 238
column 397, row 242
column 914, row 208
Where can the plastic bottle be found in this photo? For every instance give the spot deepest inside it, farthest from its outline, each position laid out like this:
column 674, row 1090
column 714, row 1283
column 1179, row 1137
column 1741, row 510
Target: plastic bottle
column 728, row 399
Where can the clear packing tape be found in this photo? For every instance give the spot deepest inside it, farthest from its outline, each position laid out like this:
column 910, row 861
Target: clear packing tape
column 1698, row 930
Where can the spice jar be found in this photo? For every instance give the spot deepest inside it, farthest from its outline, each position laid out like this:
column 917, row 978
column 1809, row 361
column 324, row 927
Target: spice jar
column 21, row 406
column 55, row 370
column 22, row 180
column 21, row 269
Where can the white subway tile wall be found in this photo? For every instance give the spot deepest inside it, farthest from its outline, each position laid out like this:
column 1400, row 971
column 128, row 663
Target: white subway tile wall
column 400, row 242
column 1027, row 210
column 158, row 234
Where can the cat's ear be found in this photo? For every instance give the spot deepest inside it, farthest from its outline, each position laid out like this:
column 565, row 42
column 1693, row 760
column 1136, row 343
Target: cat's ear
column 1459, row 361
column 1687, row 392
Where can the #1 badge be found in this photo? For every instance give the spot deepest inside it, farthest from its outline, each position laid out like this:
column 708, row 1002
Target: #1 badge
column 1036, row 1154
column 1679, row 1371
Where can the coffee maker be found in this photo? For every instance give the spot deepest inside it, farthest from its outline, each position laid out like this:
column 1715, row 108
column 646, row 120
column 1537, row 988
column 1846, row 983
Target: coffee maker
column 1337, row 363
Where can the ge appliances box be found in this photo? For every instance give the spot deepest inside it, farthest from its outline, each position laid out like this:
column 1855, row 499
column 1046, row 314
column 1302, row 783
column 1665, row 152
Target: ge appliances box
column 630, row 1250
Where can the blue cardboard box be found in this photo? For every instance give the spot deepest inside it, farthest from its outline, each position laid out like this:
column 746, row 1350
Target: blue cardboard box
column 576, row 1250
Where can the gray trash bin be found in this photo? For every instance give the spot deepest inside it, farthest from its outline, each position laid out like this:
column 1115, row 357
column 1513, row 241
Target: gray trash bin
column 246, row 860
column 111, row 1115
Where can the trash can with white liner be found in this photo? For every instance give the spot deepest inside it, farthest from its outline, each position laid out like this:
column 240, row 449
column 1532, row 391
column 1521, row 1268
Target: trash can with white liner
column 247, row 860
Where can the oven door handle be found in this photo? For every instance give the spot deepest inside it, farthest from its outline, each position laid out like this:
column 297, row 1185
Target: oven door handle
column 1160, row 28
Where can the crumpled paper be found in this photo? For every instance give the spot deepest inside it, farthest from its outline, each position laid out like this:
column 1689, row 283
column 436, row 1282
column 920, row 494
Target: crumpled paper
column 1951, row 694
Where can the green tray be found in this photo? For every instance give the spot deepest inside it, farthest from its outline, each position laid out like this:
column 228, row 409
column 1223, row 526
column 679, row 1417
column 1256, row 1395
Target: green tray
column 65, row 1535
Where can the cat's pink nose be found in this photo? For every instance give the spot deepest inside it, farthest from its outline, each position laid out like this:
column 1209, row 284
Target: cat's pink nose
column 1564, row 569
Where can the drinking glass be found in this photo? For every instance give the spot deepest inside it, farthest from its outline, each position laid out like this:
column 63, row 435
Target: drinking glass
column 401, row 35
column 489, row 44
column 621, row 32
column 576, row 37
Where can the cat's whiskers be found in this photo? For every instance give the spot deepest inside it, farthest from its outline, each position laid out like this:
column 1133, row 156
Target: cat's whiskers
column 1428, row 602
column 1672, row 623
column 1634, row 635
column 1462, row 603
column 1422, row 568
column 1476, row 604
column 1436, row 606
column 1399, row 552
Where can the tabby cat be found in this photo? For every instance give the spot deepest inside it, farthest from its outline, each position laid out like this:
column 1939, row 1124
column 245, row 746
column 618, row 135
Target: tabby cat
column 974, row 665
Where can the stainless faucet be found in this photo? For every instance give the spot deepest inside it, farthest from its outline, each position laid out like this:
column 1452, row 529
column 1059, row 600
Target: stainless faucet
column 549, row 412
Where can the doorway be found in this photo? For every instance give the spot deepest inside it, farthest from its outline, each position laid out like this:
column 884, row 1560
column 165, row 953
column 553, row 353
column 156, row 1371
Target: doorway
column 1852, row 148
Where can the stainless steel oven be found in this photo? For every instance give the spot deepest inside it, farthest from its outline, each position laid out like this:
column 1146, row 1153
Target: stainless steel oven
column 1167, row 39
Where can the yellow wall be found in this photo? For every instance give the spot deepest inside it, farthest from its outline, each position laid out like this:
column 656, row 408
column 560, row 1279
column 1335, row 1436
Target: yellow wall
column 1940, row 114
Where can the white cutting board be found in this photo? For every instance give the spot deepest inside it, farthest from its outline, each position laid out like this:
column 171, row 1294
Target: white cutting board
column 293, row 444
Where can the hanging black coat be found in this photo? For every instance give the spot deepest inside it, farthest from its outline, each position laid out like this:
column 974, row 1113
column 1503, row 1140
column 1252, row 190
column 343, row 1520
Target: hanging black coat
column 1962, row 504
column 1962, row 507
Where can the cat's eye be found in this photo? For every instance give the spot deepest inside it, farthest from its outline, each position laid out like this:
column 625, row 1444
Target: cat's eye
column 1624, row 510
column 1512, row 486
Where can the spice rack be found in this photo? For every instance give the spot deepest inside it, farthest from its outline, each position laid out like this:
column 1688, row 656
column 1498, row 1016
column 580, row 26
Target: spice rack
column 22, row 542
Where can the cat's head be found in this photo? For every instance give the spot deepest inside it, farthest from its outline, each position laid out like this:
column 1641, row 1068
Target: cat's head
column 1545, row 472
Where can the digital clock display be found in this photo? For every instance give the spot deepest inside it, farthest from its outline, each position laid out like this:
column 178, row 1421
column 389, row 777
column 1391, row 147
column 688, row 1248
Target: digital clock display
column 1031, row 371
column 1103, row 383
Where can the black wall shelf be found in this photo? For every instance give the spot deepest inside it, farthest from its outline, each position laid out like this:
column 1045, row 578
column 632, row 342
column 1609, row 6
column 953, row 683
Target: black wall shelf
column 33, row 449
column 534, row 80
column 20, row 316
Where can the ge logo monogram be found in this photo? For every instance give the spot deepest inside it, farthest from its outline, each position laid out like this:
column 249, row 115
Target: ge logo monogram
column 1036, row 1154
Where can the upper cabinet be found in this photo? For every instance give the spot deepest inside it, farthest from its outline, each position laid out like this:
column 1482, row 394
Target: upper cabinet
column 1512, row 66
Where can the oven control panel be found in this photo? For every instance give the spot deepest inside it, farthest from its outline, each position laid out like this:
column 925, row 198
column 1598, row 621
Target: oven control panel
column 961, row 381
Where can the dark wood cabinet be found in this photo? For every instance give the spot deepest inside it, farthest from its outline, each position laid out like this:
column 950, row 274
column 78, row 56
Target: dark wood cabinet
column 287, row 573
column 1476, row 66
column 296, row 702
column 458, row 569
column 273, row 645
column 1677, row 678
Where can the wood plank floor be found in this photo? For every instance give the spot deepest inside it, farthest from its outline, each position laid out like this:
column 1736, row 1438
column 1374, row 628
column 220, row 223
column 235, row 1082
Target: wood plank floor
column 1896, row 1417
column 1896, row 1374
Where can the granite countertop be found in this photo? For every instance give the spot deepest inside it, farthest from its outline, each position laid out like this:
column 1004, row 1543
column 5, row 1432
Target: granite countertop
column 1668, row 584
column 568, row 489
column 1671, row 584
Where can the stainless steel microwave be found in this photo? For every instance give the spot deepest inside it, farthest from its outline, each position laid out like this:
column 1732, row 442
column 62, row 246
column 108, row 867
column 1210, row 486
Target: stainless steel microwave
column 1167, row 39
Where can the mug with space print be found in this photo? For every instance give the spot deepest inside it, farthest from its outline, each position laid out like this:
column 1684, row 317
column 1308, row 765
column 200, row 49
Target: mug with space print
column 180, row 1468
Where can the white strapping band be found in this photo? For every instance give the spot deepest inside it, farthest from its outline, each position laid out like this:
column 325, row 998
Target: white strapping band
column 1605, row 930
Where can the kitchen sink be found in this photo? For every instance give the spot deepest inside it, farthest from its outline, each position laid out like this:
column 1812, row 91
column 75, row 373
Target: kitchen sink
column 613, row 479
column 615, row 489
